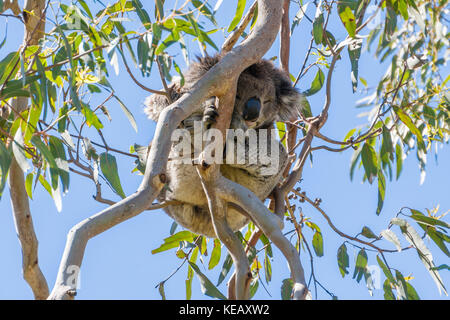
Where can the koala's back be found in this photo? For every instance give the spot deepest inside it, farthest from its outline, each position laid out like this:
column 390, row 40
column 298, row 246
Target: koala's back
column 184, row 186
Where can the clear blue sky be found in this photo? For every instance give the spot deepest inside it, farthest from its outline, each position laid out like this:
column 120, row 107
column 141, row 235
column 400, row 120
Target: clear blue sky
column 118, row 263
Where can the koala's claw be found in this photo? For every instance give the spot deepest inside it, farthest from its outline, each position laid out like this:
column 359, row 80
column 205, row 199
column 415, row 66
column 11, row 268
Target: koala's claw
column 210, row 115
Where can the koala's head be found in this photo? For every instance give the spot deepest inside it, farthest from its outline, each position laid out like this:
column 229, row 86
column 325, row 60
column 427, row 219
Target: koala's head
column 264, row 94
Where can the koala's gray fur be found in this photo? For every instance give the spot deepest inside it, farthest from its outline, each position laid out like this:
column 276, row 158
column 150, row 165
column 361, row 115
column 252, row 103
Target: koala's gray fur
column 279, row 102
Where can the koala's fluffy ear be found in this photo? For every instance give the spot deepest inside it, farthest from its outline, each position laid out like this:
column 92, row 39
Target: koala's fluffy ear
column 199, row 68
column 155, row 103
column 289, row 100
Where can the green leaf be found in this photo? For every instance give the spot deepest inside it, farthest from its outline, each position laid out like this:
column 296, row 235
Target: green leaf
column 442, row 267
column 29, row 184
column 360, row 266
column 5, row 162
column 128, row 114
column 317, row 243
column 215, row 254
column 299, row 16
column 45, row 184
column 354, row 160
column 388, row 294
column 58, row 152
column 318, row 28
column 424, row 253
column 420, row 217
column 9, row 65
column 161, row 290
column 286, row 289
column 207, row 286
column 381, row 191
column 316, row 84
column 366, row 232
column 174, row 240
column 354, row 52
column 387, row 148
column 411, row 126
column 45, row 151
column 267, row 268
column 267, row 245
column 343, row 260
column 399, row 160
column 108, row 166
column 390, row 23
column 142, row 14
column 348, row 19
column 33, row 118
column 159, row 12
column 386, row 270
column 427, row 224
column 19, row 151
column 225, row 269
column 254, row 284
column 281, row 128
column 238, row 15
column 203, row 7
column 401, row 285
column 91, row 117
column 369, row 161
column 411, row 293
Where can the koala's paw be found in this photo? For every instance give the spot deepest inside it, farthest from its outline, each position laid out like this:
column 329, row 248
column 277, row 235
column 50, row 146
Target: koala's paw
column 210, row 115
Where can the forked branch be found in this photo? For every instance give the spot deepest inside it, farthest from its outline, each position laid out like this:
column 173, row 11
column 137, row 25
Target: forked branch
column 216, row 82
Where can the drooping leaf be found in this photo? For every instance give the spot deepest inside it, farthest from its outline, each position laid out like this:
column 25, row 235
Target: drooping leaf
column 360, row 265
column 424, row 253
column 286, row 289
column 318, row 28
column 225, row 269
column 299, row 16
column 5, row 162
column 368, row 233
column 207, row 287
column 316, row 84
column 369, row 161
column 386, row 270
column 128, row 114
column 317, row 243
column 29, row 184
column 215, row 254
column 109, row 169
column 174, row 240
column 347, row 18
column 411, row 126
column 238, row 15
column 381, row 191
column 354, row 52
column 343, row 259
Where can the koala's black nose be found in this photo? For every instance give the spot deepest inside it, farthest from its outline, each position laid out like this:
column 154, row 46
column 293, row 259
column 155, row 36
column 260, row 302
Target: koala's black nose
column 251, row 109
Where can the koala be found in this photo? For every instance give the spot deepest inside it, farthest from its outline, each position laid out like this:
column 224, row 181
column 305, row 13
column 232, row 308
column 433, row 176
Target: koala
column 264, row 95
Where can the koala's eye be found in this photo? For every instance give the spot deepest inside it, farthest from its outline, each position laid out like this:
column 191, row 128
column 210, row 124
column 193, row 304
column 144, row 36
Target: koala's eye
column 251, row 109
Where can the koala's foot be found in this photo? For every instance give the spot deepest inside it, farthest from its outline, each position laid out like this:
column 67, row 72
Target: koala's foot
column 210, row 115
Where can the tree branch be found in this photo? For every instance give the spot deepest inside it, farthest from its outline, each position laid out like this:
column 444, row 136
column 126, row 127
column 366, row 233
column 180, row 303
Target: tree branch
column 34, row 30
column 13, row 5
column 216, row 82
column 234, row 37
